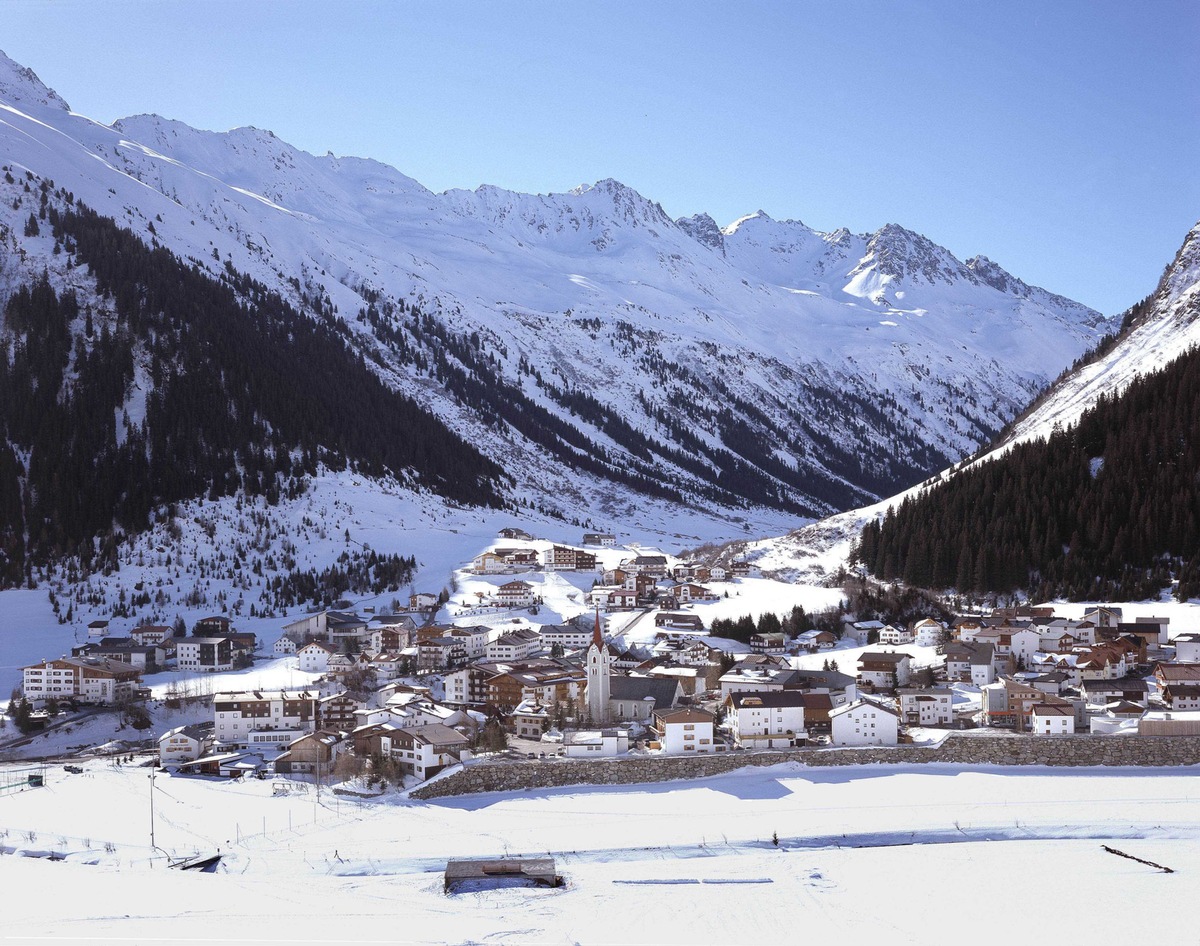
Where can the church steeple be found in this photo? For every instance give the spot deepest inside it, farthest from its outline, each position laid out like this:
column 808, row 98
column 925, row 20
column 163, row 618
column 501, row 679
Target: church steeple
column 599, row 668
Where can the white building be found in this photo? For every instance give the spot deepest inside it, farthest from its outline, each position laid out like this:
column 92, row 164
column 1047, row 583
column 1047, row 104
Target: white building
column 457, row 686
column 926, row 707
column 425, row 750
column 1084, row 632
column 86, row 679
column 1052, row 720
column 422, row 601
column 774, row 643
column 284, row 647
column 1024, row 644
column 983, row 667
column 516, row 594
column 515, row 645
column 860, row 631
column 151, row 634
column 927, row 632
column 567, row 636
column 505, row 561
column 1104, row 616
column 883, row 670
column 890, row 634
column 185, row 743
column 391, row 633
column 274, row 718
column 560, row 558
column 595, row 743
column 685, row 730
column 1187, row 648
column 314, row 657
column 767, row 720
column 530, row 719
column 425, row 712
column 474, row 639
column 612, row 597
column 863, row 723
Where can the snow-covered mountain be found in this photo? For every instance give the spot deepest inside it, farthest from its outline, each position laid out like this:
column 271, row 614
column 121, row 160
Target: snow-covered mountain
column 1154, row 332
column 1158, row 329
column 764, row 364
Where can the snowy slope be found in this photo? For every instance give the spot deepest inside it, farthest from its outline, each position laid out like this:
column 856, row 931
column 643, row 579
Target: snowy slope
column 1169, row 324
column 857, row 362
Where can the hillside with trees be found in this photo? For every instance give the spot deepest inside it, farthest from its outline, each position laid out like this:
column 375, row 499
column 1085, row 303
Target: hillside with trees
column 1105, row 509
column 184, row 387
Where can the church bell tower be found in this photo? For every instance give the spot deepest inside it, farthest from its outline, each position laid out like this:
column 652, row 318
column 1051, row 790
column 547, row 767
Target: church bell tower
column 599, row 668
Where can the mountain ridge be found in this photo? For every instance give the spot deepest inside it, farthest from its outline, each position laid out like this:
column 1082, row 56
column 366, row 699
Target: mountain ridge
column 765, row 372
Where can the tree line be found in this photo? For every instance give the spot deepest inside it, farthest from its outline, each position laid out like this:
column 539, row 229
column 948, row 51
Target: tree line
column 1107, row 508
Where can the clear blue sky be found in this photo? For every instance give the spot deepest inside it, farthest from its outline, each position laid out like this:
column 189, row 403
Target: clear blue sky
column 1059, row 138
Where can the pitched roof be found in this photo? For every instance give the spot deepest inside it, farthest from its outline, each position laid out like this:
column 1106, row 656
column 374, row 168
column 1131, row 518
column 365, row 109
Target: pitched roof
column 880, row 657
column 1124, row 685
column 1051, row 709
column 660, row 689
column 769, row 699
column 833, row 679
column 197, row 731
column 1174, row 671
column 818, row 702
column 343, row 619
column 433, row 734
column 862, row 704
column 686, row 715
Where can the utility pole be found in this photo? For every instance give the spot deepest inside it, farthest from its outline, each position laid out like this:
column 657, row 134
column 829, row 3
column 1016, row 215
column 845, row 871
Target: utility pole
column 152, row 845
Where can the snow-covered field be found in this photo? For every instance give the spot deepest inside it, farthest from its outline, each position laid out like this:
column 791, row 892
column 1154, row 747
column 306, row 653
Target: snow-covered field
column 919, row 855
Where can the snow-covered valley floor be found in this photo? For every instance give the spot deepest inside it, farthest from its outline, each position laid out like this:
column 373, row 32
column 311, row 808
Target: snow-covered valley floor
column 919, row 855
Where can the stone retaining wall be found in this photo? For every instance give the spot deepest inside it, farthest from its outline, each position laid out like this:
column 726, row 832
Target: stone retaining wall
column 1081, row 750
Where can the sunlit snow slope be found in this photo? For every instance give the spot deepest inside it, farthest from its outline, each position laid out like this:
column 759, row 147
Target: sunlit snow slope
column 764, row 363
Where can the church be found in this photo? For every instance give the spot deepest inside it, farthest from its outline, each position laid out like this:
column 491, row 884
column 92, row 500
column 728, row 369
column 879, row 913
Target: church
column 613, row 698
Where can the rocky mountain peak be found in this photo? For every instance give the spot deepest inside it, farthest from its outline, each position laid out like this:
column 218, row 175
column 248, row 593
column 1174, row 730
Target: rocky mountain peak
column 19, row 85
column 994, row 275
column 896, row 251
column 703, row 229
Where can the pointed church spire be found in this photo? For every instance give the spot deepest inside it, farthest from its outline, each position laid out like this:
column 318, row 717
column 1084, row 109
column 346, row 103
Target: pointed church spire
column 599, row 667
